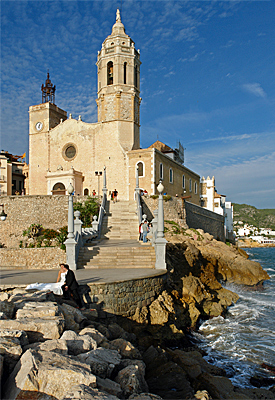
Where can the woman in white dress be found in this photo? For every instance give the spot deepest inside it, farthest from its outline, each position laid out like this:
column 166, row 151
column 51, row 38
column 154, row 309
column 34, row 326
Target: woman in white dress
column 51, row 287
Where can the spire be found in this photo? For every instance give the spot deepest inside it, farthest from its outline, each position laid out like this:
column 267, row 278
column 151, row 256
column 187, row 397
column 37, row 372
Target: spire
column 118, row 27
column 48, row 91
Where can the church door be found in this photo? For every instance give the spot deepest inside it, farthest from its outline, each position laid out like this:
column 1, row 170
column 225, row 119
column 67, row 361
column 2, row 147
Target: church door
column 59, row 188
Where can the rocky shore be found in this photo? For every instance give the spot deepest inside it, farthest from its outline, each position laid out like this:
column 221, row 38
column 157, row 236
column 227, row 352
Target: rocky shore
column 51, row 350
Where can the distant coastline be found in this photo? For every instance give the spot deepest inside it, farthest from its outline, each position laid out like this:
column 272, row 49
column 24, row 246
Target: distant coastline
column 249, row 243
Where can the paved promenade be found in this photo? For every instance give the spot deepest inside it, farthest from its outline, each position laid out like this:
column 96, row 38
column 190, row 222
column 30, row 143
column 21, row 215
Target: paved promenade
column 22, row 277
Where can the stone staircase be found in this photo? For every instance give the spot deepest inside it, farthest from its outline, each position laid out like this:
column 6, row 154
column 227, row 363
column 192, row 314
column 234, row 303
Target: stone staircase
column 121, row 221
column 119, row 246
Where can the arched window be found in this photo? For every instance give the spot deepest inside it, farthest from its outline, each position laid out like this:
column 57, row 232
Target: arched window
column 160, row 171
column 170, row 175
column 59, row 188
column 125, row 72
column 140, row 166
column 110, row 73
column 136, row 77
column 183, row 181
column 190, row 185
column 196, row 187
column 86, row 192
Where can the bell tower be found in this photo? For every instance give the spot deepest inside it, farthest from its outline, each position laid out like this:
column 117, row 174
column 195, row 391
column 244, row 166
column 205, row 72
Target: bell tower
column 42, row 119
column 118, row 68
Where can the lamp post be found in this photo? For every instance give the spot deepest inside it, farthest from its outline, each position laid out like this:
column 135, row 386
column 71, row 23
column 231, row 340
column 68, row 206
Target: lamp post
column 70, row 242
column 70, row 191
column 98, row 174
column 160, row 242
column 3, row 215
column 104, row 189
column 137, row 180
column 160, row 233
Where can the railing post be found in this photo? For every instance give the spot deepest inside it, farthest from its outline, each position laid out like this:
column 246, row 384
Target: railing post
column 78, row 227
column 104, row 189
column 154, row 223
column 137, row 198
column 160, row 242
column 137, row 180
column 95, row 224
column 70, row 242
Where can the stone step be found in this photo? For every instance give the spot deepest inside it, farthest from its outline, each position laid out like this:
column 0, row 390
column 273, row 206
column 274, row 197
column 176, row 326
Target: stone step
column 99, row 266
column 138, row 249
column 111, row 256
column 125, row 261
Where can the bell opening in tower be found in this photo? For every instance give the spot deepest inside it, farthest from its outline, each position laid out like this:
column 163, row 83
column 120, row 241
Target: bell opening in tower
column 125, row 73
column 110, row 76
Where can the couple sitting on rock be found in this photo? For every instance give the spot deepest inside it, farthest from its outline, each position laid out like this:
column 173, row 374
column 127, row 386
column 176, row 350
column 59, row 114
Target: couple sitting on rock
column 66, row 284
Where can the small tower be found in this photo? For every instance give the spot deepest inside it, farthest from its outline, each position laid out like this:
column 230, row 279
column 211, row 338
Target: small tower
column 42, row 118
column 48, row 91
column 118, row 64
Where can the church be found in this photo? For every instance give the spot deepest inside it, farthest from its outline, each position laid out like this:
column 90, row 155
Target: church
column 64, row 150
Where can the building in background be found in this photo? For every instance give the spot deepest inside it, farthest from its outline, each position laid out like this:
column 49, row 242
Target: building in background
column 11, row 174
column 66, row 150
column 217, row 203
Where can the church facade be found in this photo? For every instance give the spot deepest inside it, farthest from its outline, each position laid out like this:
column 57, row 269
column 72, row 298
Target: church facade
column 64, row 150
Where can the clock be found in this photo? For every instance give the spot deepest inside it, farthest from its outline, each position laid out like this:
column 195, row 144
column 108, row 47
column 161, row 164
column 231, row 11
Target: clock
column 39, row 126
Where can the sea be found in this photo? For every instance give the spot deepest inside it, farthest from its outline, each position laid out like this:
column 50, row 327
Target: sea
column 245, row 338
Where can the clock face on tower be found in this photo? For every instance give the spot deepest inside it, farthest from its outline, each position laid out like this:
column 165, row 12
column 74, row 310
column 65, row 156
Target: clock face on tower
column 39, row 126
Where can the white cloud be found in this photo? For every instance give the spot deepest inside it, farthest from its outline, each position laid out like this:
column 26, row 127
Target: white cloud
column 254, row 88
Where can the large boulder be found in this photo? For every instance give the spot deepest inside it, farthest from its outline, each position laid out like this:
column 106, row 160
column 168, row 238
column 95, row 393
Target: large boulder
column 57, row 345
column 34, row 309
column 167, row 379
column 78, row 344
column 73, row 317
column 109, row 386
column 232, row 266
column 47, row 372
column 131, row 380
column 94, row 334
column 21, row 335
column 7, row 308
column 102, row 361
column 3, row 296
column 83, row 392
column 144, row 396
column 218, row 387
column 125, row 348
column 11, row 350
column 20, row 297
column 37, row 329
column 161, row 308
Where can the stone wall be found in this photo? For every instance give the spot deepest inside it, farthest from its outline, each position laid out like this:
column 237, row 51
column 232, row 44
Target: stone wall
column 36, row 258
column 22, row 211
column 201, row 218
column 122, row 298
column 173, row 209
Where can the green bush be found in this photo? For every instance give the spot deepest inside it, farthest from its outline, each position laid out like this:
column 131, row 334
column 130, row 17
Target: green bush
column 49, row 234
column 62, row 236
column 87, row 210
column 167, row 197
column 33, row 231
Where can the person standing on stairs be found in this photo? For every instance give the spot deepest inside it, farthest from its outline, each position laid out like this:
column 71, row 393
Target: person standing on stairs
column 144, row 231
column 115, row 192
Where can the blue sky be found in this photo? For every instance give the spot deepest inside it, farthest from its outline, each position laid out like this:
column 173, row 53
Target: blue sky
column 207, row 79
